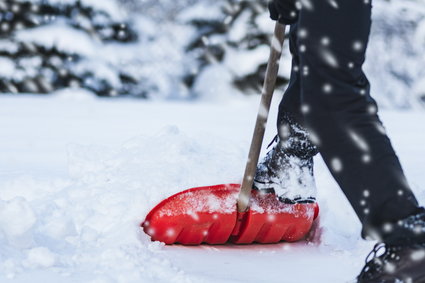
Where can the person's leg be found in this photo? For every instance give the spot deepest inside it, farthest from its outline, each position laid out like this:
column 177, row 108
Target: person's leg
column 342, row 117
column 291, row 101
column 287, row 170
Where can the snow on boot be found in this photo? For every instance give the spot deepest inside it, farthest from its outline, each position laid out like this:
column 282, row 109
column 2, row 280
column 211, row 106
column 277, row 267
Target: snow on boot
column 403, row 257
column 287, row 169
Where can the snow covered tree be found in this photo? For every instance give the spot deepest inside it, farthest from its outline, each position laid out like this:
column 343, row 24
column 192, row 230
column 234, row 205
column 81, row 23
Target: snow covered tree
column 395, row 61
column 50, row 45
column 234, row 34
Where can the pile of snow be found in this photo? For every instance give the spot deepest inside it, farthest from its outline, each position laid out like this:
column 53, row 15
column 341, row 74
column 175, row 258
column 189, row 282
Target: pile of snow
column 78, row 176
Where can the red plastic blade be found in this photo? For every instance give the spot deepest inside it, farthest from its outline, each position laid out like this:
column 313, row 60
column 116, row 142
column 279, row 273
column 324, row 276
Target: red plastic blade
column 209, row 215
column 271, row 221
column 194, row 216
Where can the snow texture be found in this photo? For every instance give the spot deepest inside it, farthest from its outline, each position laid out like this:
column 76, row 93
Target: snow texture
column 78, row 174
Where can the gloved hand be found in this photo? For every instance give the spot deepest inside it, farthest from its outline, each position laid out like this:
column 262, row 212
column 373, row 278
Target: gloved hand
column 283, row 11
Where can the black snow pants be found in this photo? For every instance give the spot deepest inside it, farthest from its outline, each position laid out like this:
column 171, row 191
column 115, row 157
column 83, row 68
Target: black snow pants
column 329, row 95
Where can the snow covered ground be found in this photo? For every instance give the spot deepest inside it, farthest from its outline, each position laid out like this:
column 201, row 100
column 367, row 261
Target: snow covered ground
column 78, row 174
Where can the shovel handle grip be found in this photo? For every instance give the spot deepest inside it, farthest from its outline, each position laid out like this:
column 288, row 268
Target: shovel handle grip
column 263, row 113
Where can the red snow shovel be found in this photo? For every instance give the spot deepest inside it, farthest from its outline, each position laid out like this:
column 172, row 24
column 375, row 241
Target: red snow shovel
column 232, row 212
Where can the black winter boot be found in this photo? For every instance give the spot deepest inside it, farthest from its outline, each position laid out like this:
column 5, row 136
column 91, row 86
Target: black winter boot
column 287, row 169
column 403, row 255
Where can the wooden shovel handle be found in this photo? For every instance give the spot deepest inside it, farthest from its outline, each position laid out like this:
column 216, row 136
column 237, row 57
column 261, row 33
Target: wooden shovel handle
column 263, row 113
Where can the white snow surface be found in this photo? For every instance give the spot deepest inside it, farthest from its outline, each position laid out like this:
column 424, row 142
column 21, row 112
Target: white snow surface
column 77, row 176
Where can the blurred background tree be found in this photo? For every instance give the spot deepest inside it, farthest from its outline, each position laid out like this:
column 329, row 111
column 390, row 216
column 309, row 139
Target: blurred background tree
column 184, row 49
column 45, row 46
column 237, row 38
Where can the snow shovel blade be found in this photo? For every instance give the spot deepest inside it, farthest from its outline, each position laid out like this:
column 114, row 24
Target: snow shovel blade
column 194, row 216
column 209, row 215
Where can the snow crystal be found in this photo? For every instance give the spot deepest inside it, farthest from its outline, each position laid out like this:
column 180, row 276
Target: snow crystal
column 305, row 108
column 271, row 217
column 4, row 27
column 372, row 109
column 388, row 227
column 305, row 70
column 357, row 45
column 307, row 4
column 276, row 44
column 327, row 88
column 389, row 267
column 334, row 4
column 170, row 232
column 381, row 128
column 418, row 255
column 325, row 41
column 366, row 158
column 314, row 137
column 302, row 33
column 358, row 140
column 285, row 131
column 336, row 164
column 329, row 58
column 263, row 111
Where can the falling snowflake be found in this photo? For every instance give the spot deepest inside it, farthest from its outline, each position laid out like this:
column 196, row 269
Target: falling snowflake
column 390, row 267
column 304, row 4
column 285, row 131
column 366, row 158
column 334, row 4
column 302, row 33
column 271, row 218
column 388, row 227
column 418, row 255
column 325, row 41
column 170, row 232
column 372, row 109
column 358, row 140
column 381, row 128
column 327, row 88
column 336, row 165
column 305, row 108
column 329, row 58
column 358, row 46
